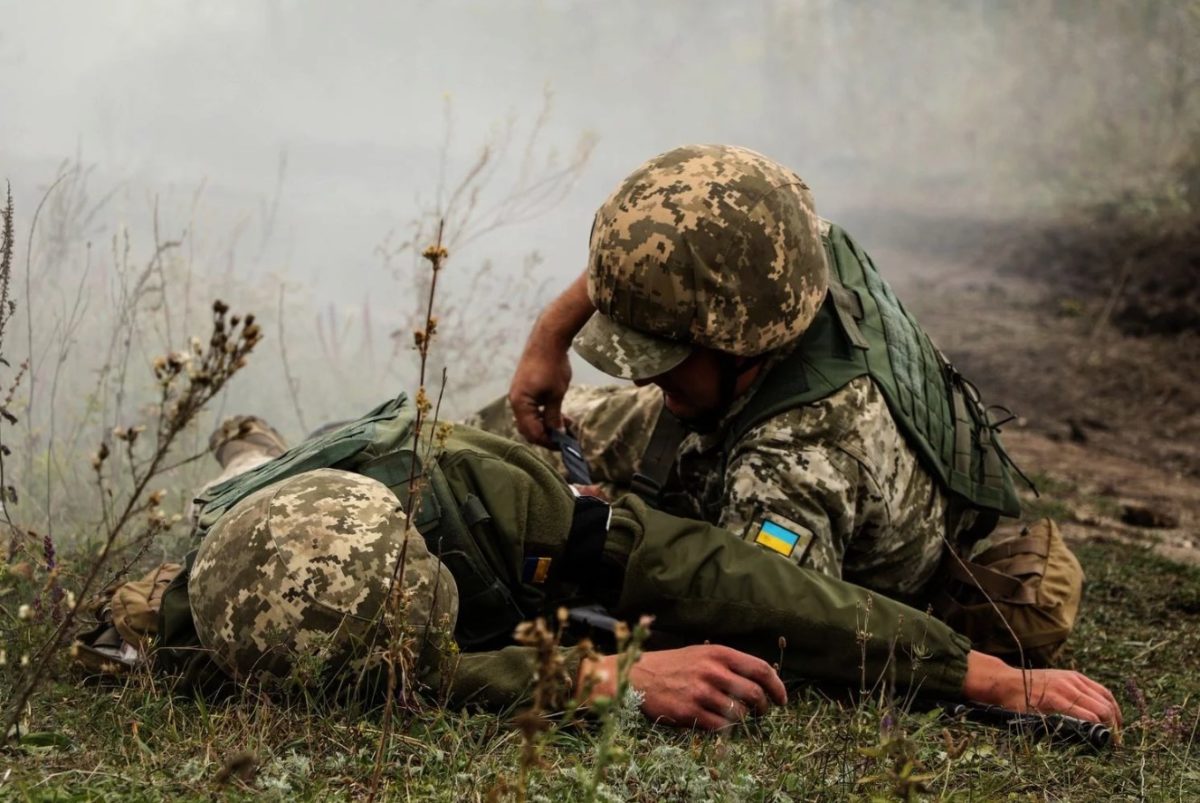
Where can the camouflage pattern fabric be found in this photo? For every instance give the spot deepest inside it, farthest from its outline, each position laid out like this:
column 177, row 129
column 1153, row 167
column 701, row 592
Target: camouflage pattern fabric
column 302, row 568
column 706, row 244
column 839, row 472
column 613, row 425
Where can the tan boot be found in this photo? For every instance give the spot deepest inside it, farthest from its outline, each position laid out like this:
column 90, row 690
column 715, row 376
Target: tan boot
column 243, row 434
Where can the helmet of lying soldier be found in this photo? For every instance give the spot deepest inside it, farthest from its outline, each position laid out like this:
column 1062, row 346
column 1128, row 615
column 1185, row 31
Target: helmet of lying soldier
column 304, row 568
column 709, row 245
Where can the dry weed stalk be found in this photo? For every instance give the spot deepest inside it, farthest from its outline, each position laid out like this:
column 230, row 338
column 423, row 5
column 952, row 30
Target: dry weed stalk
column 629, row 651
column 467, row 208
column 293, row 384
column 7, row 238
column 187, row 381
column 551, row 688
column 401, row 648
column 7, row 307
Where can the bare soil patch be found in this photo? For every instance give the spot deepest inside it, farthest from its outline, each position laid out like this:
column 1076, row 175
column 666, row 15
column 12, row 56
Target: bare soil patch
column 1089, row 331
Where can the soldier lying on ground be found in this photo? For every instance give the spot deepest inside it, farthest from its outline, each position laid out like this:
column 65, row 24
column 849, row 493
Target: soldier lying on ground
column 783, row 393
column 298, row 554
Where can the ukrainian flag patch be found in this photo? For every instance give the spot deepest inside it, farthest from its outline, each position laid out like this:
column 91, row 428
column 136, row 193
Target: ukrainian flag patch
column 536, row 570
column 785, row 538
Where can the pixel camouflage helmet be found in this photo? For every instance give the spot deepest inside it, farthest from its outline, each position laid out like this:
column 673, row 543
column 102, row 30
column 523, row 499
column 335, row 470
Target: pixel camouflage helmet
column 304, row 567
column 709, row 245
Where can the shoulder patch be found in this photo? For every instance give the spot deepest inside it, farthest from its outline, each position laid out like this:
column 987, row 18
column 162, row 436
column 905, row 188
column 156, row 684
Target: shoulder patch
column 782, row 535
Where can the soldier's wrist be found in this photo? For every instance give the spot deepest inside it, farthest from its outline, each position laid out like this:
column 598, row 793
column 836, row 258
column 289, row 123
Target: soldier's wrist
column 597, row 678
column 985, row 677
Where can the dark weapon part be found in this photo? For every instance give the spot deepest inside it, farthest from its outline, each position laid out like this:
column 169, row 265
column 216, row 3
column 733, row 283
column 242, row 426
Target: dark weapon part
column 572, row 455
column 1058, row 728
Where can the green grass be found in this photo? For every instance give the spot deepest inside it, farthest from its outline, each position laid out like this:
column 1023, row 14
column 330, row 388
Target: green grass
column 1140, row 628
column 1050, row 500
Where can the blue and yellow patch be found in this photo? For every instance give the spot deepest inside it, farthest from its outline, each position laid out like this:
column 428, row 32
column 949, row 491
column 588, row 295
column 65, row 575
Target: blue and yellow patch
column 791, row 542
column 536, row 570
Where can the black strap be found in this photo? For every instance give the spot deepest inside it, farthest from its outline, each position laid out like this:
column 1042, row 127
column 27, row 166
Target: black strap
column 575, row 463
column 655, row 466
column 583, row 561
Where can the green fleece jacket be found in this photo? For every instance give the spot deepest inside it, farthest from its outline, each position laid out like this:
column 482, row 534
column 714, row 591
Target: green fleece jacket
column 699, row 582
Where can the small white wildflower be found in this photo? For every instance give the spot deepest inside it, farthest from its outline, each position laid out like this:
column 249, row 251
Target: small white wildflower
column 3, row 657
column 25, row 659
column 629, row 713
column 24, row 612
column 71, row 600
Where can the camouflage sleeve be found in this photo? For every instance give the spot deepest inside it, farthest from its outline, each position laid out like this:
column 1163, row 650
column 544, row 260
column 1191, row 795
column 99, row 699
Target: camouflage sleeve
column 500, row 679
column 613, row 423
column 800, row 484
column 844, row 490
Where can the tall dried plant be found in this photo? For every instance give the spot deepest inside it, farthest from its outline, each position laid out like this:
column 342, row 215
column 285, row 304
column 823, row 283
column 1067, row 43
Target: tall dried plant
column 400, row 649
column 187, row 381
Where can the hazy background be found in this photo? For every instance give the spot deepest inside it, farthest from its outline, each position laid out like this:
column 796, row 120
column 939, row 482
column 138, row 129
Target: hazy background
column 874, row 104
column 283, row 143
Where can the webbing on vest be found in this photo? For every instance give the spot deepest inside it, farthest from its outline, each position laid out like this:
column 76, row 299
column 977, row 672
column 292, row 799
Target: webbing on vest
column 654, row 468
column 863, row 330
column 488, row 611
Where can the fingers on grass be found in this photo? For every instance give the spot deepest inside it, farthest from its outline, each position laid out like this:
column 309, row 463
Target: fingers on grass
column 749, row 692
column 759, row 672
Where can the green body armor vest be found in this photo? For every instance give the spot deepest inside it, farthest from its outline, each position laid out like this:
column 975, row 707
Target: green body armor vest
column 863, row 330
column 380, row 445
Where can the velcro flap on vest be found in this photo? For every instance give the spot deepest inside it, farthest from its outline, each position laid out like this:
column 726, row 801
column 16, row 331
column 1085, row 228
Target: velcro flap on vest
column 850, row 311
column 473, row 511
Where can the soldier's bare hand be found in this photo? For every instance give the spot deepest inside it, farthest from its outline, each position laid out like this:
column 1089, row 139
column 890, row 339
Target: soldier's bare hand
column 705, row 686
column 538, row 386
column 1047, row 691
column 544, row 372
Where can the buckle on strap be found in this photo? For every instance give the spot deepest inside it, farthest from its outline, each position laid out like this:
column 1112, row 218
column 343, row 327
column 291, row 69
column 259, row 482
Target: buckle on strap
column 645, row 487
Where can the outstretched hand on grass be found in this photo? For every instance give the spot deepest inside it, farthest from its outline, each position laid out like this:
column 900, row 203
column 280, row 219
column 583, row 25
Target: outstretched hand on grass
column 1045, row 691
column 712, row 687
column 705, row 686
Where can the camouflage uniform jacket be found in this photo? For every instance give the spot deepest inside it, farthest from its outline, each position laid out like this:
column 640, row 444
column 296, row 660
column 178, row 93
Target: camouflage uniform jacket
column 699, row 582
column 837, row 474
